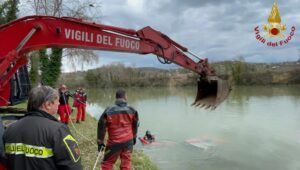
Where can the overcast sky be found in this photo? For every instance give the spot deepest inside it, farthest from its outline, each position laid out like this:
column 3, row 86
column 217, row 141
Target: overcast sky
column 214, row 29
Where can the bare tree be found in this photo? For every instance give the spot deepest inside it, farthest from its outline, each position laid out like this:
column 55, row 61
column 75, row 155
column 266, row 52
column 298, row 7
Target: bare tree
column 46, row 7
column 79, row 57
column 84, row 9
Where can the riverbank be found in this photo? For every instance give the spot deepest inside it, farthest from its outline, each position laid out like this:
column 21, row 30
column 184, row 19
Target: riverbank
column 86, row 133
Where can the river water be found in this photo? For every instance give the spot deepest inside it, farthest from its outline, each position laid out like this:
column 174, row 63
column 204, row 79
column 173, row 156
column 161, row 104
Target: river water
column 256, row 128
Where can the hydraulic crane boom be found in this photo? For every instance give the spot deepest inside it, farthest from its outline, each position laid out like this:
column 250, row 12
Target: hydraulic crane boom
column 30, row 33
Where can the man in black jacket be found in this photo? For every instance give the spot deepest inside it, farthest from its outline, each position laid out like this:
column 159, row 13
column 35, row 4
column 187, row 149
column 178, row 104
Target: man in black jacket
column 39, row 141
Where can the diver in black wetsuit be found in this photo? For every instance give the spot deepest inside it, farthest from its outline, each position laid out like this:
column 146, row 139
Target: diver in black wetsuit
column 149, row 137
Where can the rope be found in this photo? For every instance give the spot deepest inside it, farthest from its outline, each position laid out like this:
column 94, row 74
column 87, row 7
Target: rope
column 101, row 152
column 90, row 140
column 99, row 156
column 69, row 119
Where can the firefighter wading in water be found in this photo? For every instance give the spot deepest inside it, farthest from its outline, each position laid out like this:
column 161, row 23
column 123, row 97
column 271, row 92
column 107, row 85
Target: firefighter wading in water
column 39, row 141
column 121, row 122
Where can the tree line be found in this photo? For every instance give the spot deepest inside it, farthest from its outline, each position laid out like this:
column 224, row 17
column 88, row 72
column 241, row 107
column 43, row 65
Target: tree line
column 238, row 72
column 243, row 73
column 118, row 75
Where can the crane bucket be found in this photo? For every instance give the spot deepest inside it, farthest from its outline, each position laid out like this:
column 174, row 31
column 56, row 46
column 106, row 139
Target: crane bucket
column 211, row 92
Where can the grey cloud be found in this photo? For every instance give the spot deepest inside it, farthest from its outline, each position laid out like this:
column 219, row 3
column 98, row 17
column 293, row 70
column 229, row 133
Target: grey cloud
column 180, row 5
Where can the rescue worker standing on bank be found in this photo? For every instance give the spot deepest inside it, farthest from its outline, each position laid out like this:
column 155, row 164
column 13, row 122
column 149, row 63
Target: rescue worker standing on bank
column 121, row 122
column 77, row 105
column 38, row 141
column 80, row 104
column 64, row 108
column 83, row 99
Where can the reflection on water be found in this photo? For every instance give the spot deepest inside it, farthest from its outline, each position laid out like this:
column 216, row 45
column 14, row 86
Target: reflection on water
column 255, row 128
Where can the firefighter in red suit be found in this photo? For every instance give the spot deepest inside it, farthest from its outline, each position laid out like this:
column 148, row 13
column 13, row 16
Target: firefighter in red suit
column 80, row 104
column 77, row 104
column 64, row 108
column 76, row 98
column 83, row 99
column 121, row 123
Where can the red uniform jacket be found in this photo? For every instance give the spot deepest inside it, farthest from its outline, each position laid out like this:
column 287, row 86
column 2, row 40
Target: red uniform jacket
column 83, row 99
column 77, row 99
column 121, row 122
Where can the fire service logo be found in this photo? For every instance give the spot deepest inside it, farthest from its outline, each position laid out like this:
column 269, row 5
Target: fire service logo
column 273, row 33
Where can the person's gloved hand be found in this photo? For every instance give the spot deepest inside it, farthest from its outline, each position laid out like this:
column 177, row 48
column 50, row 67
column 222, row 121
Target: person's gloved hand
column 101, row 147
column 134, row 141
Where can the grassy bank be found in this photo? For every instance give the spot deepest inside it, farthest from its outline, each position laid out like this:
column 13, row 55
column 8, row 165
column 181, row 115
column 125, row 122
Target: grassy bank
column 85, row 134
